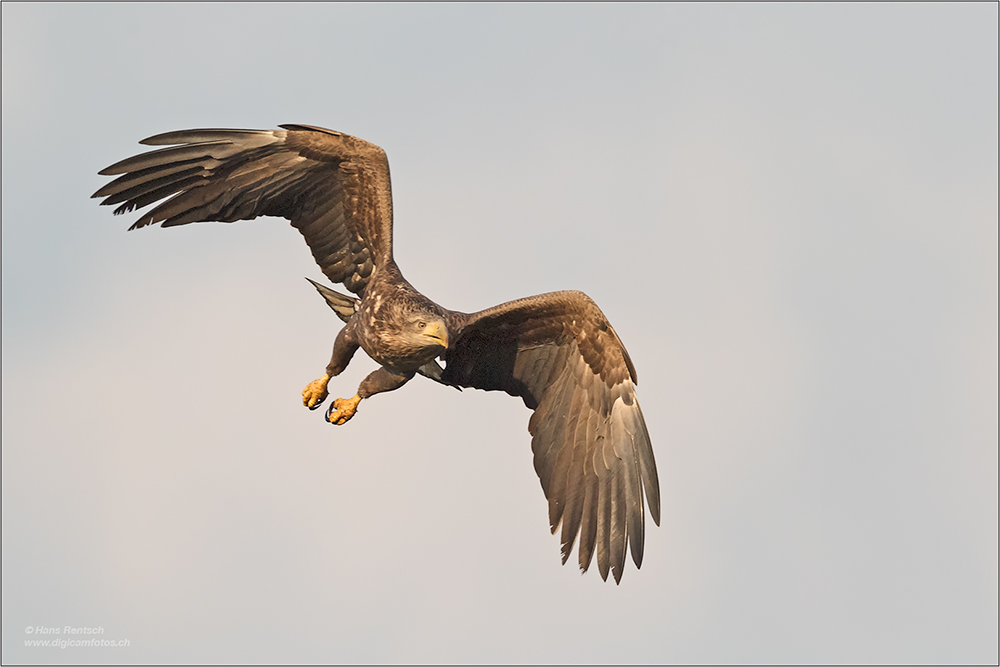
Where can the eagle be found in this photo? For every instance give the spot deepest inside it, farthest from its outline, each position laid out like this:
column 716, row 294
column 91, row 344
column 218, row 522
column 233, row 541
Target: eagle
column 556, row 351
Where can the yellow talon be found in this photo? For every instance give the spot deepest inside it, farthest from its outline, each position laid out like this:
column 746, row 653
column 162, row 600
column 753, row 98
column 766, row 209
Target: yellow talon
column 315, row 392
column 342, row 410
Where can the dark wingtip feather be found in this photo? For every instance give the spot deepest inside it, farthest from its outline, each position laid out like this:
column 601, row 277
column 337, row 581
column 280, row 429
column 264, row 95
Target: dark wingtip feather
column 604, row 526
column 619, row 522
column 647, row 463
column 636, row 530
column 139, row 224
column 555, row 515
column 314, row 128
column 178, row 137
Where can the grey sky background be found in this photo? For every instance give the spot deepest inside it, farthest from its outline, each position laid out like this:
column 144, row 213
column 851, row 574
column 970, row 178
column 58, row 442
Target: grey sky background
column 789, row 213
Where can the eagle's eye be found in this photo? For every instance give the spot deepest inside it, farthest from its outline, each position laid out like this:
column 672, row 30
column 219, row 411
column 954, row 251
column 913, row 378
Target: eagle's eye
column 421, row 324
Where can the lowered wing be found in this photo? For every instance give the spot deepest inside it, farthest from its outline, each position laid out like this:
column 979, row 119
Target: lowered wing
column 591, row 449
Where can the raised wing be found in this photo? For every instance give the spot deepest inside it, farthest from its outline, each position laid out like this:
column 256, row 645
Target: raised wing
column 592, row 452
column 334, row 188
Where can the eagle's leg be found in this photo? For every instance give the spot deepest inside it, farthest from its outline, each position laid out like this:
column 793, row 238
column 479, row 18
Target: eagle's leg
column 343, row 349
column 377, row 382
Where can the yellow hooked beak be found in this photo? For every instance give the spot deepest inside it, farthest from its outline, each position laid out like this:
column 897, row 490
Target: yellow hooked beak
column 437, row 332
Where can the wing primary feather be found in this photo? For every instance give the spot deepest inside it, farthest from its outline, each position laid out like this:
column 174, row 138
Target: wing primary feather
column 588, row 525
column 147, row 219
column 187, row 207
column 624, row 442
column 576, row 485
column 604, row 524
column 151, row 193
column 203, row 136
column 564, row 456
column 150, row 174
column 618, row 534
column 647, row 464
column 313, row 128
column 163, row 156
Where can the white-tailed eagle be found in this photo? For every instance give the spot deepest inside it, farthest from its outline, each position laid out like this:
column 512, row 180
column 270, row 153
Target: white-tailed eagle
column 556, row 351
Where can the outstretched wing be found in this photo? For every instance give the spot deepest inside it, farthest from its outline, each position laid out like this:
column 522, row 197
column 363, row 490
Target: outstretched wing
column 334, row 188
column 592, row 452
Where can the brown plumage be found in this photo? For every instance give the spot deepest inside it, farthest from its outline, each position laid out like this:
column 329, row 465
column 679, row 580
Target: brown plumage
column 556, row 351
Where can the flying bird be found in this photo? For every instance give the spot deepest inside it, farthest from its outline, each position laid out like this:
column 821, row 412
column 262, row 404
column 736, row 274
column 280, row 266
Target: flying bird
column 556, row 351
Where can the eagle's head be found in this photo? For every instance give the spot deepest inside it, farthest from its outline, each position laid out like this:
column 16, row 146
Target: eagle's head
column 426, row 330
column 415, row 336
